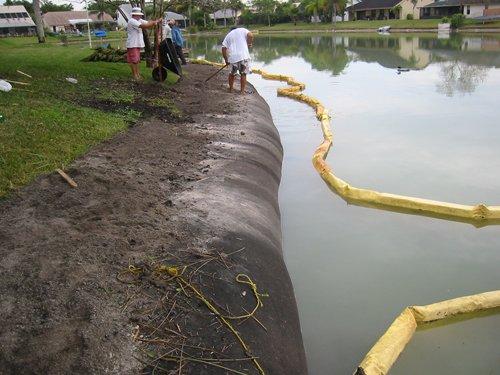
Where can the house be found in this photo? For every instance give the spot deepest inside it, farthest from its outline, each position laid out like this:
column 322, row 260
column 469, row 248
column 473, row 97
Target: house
column 476, row 8
column 127, row 9
column 469, row 8
column 386, row 9
column 223, row 16
column 180, row 18
column 441, row 8
column 75, row 19
column 15, row 20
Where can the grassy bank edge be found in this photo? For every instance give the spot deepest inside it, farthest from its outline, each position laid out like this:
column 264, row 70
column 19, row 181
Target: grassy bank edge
column 47, row 122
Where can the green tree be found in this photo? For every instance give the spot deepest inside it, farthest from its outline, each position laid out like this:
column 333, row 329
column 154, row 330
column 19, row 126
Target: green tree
column 315, row 7
column 266, row 8
column 338, row 7
column 208, row 7
column 49, row 6
column 236, row 5
column 292, row 11
column 105, row 6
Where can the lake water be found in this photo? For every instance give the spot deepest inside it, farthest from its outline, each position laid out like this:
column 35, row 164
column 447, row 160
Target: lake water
column 432, row 132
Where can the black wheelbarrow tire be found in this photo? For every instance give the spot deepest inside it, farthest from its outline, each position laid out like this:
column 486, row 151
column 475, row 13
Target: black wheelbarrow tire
column 159, row 74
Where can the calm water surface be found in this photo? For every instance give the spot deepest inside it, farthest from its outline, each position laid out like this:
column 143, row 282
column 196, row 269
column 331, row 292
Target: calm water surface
column 433, row 133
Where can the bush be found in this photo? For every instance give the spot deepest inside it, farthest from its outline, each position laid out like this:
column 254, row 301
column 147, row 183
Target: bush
column 445, row 20
column 457, row 20
column 210, row 26
column 409, row 16
column 192, row 29
column 64, row 39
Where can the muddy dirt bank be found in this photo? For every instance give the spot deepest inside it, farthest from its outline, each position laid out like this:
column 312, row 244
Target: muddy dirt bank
column 87, row 279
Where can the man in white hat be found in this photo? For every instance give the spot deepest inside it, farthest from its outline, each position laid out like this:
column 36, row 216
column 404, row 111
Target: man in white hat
column 135, row 40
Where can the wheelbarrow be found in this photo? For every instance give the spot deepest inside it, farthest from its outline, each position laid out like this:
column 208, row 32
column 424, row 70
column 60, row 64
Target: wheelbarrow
column 167, row 60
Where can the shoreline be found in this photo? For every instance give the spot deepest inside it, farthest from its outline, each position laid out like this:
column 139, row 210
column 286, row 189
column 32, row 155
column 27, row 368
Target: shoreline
column 200, row 195
column 340, row 31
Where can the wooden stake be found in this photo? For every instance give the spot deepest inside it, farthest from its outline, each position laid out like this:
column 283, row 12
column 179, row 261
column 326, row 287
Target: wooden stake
column 19, row 83
column 24, row 74
column 68, row 179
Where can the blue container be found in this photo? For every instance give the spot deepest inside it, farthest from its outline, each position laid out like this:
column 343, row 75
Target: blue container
column 100, row 33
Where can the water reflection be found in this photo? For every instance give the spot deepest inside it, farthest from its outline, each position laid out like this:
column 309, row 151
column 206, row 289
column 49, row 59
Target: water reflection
column 464, row 60
column 460, row 77
column 396, row 134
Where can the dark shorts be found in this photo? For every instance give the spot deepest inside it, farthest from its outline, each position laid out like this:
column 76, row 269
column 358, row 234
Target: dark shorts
column 133, row 55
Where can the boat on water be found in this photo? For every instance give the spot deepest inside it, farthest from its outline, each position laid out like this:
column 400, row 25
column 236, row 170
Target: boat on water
column 384, row 29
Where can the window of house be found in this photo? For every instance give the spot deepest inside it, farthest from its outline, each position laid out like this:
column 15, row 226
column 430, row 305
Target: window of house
column 8, row 15
column 468, row 9
column 19, row 15
column 2, row 15
column 25, row 15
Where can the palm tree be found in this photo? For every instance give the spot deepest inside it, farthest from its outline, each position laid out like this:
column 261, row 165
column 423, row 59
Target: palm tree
column 315, row 6
column 38, row 21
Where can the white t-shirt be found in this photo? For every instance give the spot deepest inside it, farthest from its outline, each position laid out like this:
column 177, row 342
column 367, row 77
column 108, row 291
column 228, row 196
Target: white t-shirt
column 134, row 33
column 236, row 44
column 166, row 30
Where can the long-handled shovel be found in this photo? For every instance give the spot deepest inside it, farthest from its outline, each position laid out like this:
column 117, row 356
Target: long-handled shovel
column 159, row 73
column 217, row 72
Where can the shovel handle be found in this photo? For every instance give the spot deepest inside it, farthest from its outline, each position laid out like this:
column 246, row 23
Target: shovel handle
column 217, row 72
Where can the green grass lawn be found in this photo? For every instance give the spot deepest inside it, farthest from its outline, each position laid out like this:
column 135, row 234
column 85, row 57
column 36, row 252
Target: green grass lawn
column 47, row 123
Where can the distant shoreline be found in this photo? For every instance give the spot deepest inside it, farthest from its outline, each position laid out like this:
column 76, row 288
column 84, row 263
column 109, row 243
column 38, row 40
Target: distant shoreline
column 360, row 30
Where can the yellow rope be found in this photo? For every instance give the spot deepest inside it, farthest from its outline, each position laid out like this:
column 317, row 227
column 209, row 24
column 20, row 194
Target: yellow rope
column 131, row 269
column 241, row 278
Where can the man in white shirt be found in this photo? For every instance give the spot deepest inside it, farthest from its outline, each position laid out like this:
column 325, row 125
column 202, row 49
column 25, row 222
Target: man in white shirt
column 135, row 39
column 166, row 29
column 235, row 53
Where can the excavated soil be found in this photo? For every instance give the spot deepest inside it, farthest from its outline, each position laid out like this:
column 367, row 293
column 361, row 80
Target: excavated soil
column 84, row 280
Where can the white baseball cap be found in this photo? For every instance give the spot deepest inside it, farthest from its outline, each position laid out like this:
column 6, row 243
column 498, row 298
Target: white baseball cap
column 136, row 11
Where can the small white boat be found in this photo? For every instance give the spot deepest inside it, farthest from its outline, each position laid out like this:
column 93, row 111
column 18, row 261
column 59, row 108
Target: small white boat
column 384, row 29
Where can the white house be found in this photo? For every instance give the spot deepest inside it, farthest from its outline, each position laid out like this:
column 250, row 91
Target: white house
column 69, row 20
column 222, row 16
column 469, row 8
column 15, row 20
column 180, row 18
column 127, row 9
column 475, row 9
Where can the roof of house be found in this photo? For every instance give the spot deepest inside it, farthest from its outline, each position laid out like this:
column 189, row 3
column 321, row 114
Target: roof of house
column 443, row 4
column 62, row 18
column 224, row 13
column 479, row 2
column 373, row 4
column 457, row 3
column 175, row 16
column 15, row 21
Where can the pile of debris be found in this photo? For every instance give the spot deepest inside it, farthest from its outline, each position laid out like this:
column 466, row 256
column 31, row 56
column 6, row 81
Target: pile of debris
column 109, row 54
